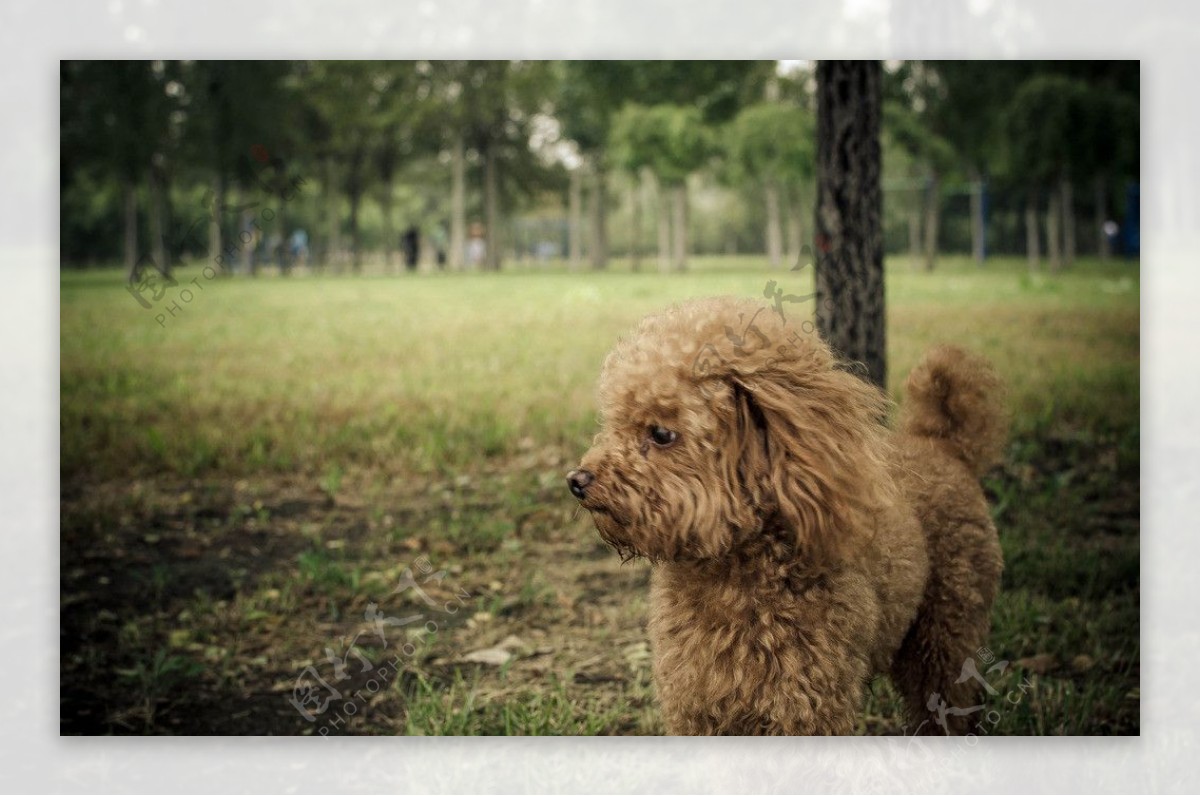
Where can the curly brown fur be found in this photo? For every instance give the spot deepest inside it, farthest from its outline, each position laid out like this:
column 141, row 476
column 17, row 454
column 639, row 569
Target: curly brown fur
column 799, row 546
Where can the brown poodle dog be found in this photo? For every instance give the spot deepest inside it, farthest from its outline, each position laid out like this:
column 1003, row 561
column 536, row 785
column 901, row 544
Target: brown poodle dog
column 799, row 547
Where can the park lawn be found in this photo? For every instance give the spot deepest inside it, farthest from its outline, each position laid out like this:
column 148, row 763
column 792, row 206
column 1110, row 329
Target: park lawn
column 245, row 483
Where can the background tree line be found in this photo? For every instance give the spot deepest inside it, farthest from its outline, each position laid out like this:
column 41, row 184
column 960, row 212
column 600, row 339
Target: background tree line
column 166, row 162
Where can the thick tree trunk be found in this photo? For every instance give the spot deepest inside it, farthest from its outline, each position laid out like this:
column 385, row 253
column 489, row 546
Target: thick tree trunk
column 850, row 289
column 1032, row 247
column 1068, row 221
column 978, row 231
column 679, row 222
column 599, row 248
column 1102, row 245
column 458, row 205
column 158, row 221
column 774, row 231
column 1054, row 231
column 491, row 199
column 575, row 221
column 664, row 228
column 933, row 217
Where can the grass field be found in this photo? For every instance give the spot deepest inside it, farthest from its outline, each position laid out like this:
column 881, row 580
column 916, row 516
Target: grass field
column 360, row 478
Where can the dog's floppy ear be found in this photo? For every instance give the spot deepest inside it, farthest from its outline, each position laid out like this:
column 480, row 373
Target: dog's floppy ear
column 821, row 456
column 750, row 442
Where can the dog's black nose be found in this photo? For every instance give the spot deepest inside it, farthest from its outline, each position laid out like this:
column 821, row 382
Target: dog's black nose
column 578, row 481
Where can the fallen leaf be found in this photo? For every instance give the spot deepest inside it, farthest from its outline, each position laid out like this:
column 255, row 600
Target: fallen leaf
column 489, row 657
column 1040, row 663
column 516, row 646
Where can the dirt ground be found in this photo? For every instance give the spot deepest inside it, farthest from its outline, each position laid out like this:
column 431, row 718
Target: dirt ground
column 473, row 605
column 194, row 607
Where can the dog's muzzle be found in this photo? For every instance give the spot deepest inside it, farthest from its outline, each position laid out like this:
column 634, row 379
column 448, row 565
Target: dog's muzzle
column 578, row 481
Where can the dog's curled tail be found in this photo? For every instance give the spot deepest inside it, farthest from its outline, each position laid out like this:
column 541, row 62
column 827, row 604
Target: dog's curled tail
column 955, row 396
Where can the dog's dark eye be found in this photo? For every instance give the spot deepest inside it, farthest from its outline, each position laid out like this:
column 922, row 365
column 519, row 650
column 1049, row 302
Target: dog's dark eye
column 662, row 436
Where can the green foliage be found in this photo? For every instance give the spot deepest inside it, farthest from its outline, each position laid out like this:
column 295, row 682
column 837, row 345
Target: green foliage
column 1046, row 118
column 669, row 140
column 1023, row 121
column 372, row 139
column 592, row 93
column 772, row 140
column 912, row 133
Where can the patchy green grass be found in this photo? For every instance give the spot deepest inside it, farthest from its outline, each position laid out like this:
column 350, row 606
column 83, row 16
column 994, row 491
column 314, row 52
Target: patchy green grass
column 243, row 481
column 463, row 708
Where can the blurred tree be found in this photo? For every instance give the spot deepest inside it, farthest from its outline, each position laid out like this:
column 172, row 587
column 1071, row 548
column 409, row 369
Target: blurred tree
column 349, row 97
column 850, row 288
column 488, row 108
column 391, row 147
column 963, row 103
column 1107, row 137
column 773, row 145
column 487, row 124
column 1050, row 124
column 236, row 110
column 402, row 131
column 670, row 142
column 113, row 114
column 968, row 105
column 935, row 157
column 592, row 93
column 445, row 83
column 589, row 94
